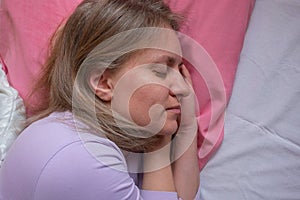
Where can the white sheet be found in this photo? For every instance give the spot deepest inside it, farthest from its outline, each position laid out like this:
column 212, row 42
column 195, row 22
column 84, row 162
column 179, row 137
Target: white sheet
column 260, row 155
column 12, row 115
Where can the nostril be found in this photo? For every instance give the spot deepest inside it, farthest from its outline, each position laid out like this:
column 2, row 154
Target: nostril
column 172, row 93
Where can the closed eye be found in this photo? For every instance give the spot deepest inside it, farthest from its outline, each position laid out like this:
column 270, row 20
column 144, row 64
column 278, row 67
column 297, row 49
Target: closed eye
column 160, row 73
column 160, row 70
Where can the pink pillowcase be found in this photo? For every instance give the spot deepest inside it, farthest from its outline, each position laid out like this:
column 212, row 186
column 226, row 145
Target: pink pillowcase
column 218, row 25
column 26, row 27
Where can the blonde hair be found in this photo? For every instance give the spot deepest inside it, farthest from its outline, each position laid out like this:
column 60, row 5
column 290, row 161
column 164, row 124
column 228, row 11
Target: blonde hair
column 93, row 23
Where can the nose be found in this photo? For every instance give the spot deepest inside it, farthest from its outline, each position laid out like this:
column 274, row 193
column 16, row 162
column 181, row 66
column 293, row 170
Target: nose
column 178, row 87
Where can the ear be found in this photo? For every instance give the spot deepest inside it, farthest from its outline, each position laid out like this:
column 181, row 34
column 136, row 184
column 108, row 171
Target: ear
column 102, row 85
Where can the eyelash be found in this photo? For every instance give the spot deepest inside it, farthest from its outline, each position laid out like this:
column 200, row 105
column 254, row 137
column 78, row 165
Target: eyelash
column 161, row 74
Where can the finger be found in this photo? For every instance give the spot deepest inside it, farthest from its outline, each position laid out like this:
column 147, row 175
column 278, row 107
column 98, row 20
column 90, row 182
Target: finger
column 186, row 74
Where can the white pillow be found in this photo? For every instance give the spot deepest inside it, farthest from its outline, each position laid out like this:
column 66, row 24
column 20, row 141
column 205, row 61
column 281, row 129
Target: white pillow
column 260, row 154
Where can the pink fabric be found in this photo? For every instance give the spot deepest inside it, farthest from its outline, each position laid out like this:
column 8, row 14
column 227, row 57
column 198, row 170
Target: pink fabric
column 218, row 25
column 26, row 27
column 3, row 66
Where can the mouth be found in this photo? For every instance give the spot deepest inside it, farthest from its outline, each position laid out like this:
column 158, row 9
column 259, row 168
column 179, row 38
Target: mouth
column 174, row 109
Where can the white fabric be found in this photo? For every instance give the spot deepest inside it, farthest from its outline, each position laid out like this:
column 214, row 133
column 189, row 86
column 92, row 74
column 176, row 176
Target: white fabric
column 260, row 155
column 12, row 114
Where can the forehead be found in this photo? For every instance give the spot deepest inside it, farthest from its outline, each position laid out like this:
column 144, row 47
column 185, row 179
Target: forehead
column 167, row 40
column 162, row 46
column 147, row 56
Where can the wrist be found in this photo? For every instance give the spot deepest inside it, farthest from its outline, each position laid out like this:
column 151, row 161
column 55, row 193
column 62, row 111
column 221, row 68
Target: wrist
column 158, row 158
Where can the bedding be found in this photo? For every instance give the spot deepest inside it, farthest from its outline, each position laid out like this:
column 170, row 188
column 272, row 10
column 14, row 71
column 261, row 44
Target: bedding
column 26, row 29
column 218, row 26
column 12, row 114
column 259, row 156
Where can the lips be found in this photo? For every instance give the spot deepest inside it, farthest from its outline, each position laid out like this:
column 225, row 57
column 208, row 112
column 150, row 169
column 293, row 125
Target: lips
column 175, row 109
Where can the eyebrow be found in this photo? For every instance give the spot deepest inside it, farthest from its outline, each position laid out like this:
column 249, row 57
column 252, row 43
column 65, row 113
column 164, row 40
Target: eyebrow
column 169, row 60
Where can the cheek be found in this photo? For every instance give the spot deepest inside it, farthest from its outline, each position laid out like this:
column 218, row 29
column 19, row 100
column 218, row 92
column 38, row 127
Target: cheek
column 143, row 99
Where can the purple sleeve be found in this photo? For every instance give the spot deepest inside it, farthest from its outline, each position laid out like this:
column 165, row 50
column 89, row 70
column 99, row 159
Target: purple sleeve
column 51, row 161
column 90, row 174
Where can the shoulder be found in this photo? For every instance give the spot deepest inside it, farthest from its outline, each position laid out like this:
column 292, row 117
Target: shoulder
column 53, row 153
column 87, row 168
column 61, row 135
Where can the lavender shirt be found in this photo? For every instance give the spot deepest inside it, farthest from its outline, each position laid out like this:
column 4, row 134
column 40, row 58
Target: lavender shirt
column 51, row 161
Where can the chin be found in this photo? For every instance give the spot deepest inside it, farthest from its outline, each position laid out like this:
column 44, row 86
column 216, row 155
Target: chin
column 169, row 129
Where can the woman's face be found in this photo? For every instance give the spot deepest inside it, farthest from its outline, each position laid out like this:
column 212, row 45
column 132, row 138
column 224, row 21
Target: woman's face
column 148, row 89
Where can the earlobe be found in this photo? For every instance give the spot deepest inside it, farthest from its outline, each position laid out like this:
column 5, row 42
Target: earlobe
column 102, row 86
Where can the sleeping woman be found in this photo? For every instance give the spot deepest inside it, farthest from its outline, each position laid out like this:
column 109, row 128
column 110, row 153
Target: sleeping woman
column 117, row 120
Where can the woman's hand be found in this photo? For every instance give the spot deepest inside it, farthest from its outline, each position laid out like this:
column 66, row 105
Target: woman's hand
column 158, row 175
column 185, row 167
column 188, row 104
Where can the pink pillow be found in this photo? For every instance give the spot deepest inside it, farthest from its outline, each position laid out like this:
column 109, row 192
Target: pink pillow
column 219, row 26
column 26, row 27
